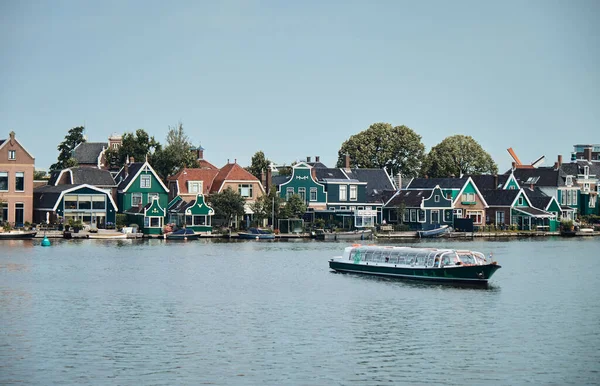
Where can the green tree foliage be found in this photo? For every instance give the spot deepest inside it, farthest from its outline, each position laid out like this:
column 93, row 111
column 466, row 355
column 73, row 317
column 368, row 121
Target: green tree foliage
column 396, row 148
column 293, row 208
column 65, row 149
column 258, row 164
column 227, row 204
column 138, row 145
column 457, row 155
column 268, row 206
column 175, row 155
column 39, row 174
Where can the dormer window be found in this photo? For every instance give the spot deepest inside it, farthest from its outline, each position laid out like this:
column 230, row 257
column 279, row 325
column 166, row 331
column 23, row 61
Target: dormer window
column 586, row 171
column 195, row 186
column 12, row 155
column 569, row 180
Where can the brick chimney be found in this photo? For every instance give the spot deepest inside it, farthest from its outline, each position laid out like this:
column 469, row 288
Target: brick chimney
column 317, row 158
column 399, row 181
column 347, row 163
column 514, row 165
column 131, row 160
column 587, row 153
column 495, row 181
column 556, row 166
column 559, row 160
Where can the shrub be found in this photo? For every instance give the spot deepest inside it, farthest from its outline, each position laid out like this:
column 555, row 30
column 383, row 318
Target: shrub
column 121, row 219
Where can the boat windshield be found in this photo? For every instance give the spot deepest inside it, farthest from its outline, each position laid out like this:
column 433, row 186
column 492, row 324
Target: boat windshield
column 423, row 257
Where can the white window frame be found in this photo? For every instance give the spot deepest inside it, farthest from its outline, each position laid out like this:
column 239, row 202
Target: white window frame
column 12, row 155
column 5, row 175
column 22, row 174
column 250, row 190
column 145, row 181
column 289, row 192
column 563, row 197
column 478, row 216
column 413, row 215
column 134, row 196
column 436, row 198
column 353, row 192
column 457, row 213
column 343, row 193
column 569, row 181
column 500, row 212
column 195, row 186
column 520, row 202
column 431, row 216
column 313, row 191
column 592, row 202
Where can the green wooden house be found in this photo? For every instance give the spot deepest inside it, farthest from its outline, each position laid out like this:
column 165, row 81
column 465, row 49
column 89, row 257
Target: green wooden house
column 142, row 196
column 191, row 214
column 303, row 182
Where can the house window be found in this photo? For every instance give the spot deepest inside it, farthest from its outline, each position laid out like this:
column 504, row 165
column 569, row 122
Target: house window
column 563, row 197
column 152, row 196
column 457, row 213
column 499, row 217
column 19, row 181
column 302, row 194
column 574, row 196
column 313, row 194
column 592, row 202
column 343, row 196
column 405, row 215
column 199, row 220
column 435, row 216
column 476, row 215
column 586, row 187
column 146, row 181
column 468, row 197
column 155, row 222
column 342, row 208
column 3, row 181
column 99, row 202
column 70, row 202
column 195, row 186
column 512, row 187
column 289, row 192
column 85, row 202
column 421, row 215
column 353, row 192
column 586, row 171
column 413, row 215
column 448, row 215
column 520, row 201
column 19, row 212
column 436, row 198
column 569, row 181
column 12, row 155
column 4, row 211
column 136, row 199
column 245, row 190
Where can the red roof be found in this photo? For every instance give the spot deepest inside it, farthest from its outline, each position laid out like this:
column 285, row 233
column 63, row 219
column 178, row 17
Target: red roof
column 231, row 172
column 204, row 164
column 184, row 175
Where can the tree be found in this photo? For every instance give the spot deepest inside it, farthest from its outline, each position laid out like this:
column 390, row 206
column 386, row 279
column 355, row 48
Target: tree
column 396, row 148
column 139, row 146
column 227, row 204
column 293, row 208
column 39, row 174
column 258, row 164
column 176, row 155
column 268, row 206
column 65, row 149
column 457, row 155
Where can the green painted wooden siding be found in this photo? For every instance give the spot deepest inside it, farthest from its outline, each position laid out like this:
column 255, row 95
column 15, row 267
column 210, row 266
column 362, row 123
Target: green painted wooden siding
column 442, row 203
column 125, row 198
column 302, row 178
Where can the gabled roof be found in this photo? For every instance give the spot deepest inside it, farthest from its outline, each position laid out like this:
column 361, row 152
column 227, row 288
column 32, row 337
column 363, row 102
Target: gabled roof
column 89, row 152
column 232, row 172
column 538, row 198
column 533, row 211
column 318, row 165
column 487, row 181
column 5, row 141
column 278, row 180
column 542, row 176
column 410, row 198
column 188, row 174
column 48, row 196
column 126, row 178
column 431, row 183
column 204, row 164
column 83, row 175
column 499, row 197
column 330, row 174
column 377, row 181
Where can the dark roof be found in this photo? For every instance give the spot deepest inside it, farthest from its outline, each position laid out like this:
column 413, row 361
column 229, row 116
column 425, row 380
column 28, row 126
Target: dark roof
column 499, row 197
column 542, row 176
column 532, row 211
column 88, row 152
column 46, row 196
column 537, row 198
column 486, row 181
column 410, row 198
column 124, row 178
column 2, row 141
column 278, row 180
column 431, row 183
column 330, row 173
column 138, row 209
column 377, row 182
column 318, row 165
column 53, row 177
column 92, row 176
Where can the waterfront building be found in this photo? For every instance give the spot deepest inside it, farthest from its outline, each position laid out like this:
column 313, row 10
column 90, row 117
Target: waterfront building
column 420, row 209
column 93, row 154
column 194, row 214
column 16, row 182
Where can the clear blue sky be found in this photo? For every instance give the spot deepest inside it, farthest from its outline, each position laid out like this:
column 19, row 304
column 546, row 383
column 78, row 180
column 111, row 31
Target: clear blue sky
column 297, row 78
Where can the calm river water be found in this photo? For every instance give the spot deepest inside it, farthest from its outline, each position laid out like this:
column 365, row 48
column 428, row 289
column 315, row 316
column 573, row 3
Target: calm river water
column 228, row 313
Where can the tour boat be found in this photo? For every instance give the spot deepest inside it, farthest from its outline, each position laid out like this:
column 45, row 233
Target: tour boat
column 429, row 264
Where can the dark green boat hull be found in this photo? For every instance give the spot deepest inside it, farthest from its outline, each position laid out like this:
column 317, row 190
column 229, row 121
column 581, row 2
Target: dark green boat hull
column 473, row 274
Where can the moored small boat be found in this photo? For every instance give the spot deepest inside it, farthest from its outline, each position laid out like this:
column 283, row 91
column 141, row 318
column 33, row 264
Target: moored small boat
column 427, row 264
column 365, row 234
column 256, row 234
column 437, row 232
column 183, row 234
column 15, row 235
column 107, row 236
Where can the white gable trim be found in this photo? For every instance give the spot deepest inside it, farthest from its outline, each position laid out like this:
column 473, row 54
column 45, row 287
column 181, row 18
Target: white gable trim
column 145, row 166
column 62, row 194
column 60, row 176
column 459, row 195
column 441, row 196
column 22, row 147
column 522, row 192
column 510, row 177
column 305, row 166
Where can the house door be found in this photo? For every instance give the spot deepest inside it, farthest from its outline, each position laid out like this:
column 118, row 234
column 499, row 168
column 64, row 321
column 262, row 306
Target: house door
column 19, row 214
column 435, row 216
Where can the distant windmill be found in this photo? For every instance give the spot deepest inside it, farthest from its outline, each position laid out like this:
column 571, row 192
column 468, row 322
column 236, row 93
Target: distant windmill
column 517, row 164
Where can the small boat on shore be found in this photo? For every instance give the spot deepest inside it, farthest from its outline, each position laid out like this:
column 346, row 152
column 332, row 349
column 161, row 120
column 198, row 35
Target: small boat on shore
column 107, row 236
column 16, row 235
column 256, row 234
column 437, row 232
column 366, row 234
column 183, row 234
column 426, row 264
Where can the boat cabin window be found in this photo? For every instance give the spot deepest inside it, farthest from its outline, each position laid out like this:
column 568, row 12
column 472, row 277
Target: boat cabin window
column 467, row 259
column 446, row 260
